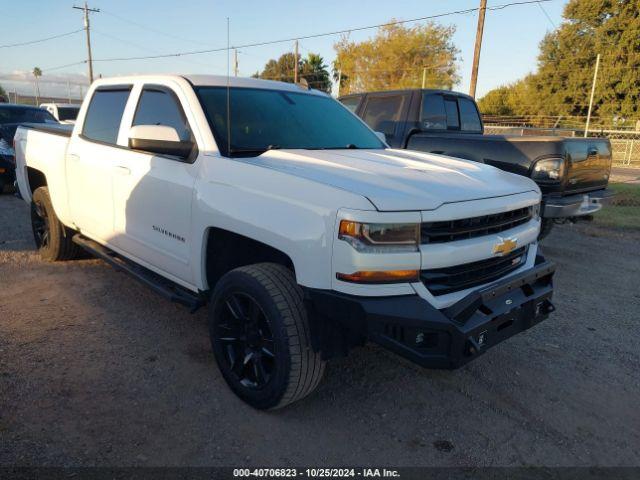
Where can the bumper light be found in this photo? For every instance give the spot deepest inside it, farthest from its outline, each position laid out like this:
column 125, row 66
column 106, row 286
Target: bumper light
column 390, row 276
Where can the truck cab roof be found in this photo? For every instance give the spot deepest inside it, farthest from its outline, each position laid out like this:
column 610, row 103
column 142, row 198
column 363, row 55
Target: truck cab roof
column 197, row 80
column 410, row 90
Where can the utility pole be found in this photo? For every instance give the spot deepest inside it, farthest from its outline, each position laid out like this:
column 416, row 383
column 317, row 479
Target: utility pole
column 68, row 92
column 235, row 61
column 593, row 89
column 87, row 29
column 295, row 64
column 476, row 52
column 339, row 80
column 424, row 76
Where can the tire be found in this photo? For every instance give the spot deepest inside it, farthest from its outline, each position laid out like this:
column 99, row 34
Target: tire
column 53, row 239
column 545, row 228
column 279, row 368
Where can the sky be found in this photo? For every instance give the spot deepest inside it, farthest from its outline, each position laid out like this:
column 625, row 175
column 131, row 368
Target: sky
column 138, row 28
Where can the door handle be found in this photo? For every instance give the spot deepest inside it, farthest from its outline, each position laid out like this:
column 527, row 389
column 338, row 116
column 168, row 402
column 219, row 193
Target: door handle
column 73, row 157
column 121, row 170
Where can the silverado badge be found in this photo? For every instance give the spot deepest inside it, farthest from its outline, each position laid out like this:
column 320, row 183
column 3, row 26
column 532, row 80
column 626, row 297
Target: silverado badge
column 505, row 246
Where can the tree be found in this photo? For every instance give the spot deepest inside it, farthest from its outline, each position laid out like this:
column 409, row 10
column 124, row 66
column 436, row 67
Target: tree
column 3, row 94
column 281, row 69
column 397, row 57
column 312, row 69
column 315, row 72
column 562, row 83
column 37, row 73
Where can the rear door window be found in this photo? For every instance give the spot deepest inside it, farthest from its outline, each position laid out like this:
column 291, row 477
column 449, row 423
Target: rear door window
column 469, row 117
column 383, row 113
column 104, row 115
column 434, row 115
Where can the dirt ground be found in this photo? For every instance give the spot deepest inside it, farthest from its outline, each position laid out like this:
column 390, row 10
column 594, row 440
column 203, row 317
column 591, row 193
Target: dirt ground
column 97, row 370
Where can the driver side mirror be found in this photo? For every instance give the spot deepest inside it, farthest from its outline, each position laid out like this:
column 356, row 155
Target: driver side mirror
column 160, row 139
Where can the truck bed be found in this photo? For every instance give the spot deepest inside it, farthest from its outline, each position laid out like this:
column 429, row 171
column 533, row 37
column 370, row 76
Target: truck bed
column 47, row 144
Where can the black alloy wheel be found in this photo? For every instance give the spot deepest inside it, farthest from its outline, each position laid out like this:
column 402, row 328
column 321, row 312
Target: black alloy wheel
column 40, row 224
column 246, row 338
column 261, row 336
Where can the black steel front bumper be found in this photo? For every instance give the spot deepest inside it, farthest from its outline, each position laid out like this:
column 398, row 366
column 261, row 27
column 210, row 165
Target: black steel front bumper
column 448, row 338
column 576, row 205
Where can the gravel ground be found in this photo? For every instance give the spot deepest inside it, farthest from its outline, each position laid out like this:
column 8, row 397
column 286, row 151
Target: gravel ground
column 97, row 370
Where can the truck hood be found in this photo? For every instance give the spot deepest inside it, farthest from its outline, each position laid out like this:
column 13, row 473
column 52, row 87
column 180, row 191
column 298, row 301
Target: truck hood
column 398, row 180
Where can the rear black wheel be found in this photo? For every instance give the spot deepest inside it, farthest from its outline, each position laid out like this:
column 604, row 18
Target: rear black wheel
column 53, row 239
column 260, row 336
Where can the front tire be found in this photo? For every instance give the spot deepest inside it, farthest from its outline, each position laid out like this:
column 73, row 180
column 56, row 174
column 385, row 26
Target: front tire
column 53, row 239
column 260, row 336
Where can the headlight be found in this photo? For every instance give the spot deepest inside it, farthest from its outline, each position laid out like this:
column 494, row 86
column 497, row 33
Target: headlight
column 535, row 211
column 380, row 237
column 550, row 169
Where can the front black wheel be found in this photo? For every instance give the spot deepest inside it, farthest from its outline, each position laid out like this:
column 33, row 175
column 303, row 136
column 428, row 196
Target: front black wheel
column 260, row 336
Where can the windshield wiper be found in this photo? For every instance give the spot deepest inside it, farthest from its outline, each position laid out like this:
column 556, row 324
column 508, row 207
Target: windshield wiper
column 256, row 151
column 349, row 146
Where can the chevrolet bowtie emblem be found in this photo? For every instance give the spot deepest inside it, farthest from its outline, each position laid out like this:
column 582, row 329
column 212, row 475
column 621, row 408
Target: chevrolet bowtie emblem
column 505, row 246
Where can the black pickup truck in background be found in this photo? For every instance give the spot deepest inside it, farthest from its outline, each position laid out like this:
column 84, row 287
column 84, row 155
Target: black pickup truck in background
column 572, row 173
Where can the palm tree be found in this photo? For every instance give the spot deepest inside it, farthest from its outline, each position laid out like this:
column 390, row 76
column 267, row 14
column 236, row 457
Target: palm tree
column 315, row 72
column 37, row 73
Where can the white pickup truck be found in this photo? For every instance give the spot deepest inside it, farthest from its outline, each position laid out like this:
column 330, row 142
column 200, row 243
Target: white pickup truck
column 65, row 113
column 304, row 233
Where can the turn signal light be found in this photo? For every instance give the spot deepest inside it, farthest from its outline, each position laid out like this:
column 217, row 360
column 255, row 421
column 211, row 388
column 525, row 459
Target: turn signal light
column 389, row 276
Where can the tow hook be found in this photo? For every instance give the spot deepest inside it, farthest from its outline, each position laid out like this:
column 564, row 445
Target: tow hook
column 544, row 308
column 472, row 347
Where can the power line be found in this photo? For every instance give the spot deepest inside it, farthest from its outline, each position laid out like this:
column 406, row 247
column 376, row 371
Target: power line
column 59, row 67
column 144, row 27
column 316, row 35
column 547, row 15
column 31, row 42
column 127, row 42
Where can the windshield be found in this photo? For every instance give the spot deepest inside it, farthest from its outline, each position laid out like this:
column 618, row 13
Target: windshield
column 25, row 115
column 68, row 113
column 268, row 119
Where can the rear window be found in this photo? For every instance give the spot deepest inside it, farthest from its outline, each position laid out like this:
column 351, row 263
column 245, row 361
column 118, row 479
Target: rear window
column 10, row 115
column 447, row 112
column 383, row 113
column 453, row 120
column 68, row 113
column 469, row 118
column 104, row 115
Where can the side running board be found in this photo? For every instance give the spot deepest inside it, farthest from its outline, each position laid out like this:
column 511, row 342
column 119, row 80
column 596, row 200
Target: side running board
column 164, row 287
